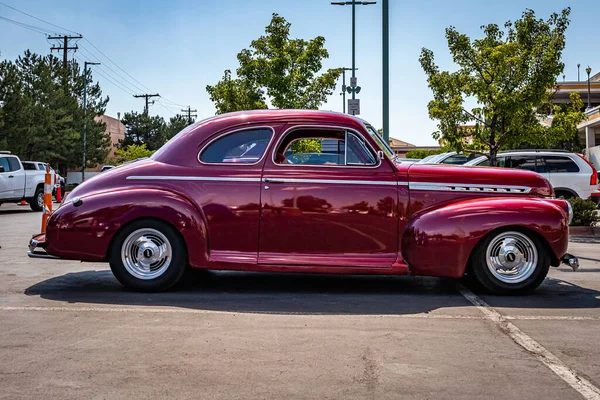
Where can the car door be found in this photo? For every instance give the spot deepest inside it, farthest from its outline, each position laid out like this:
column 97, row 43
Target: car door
column 564, row 174
column 327, row 199
column 17, row 177
column 6, row 183
column 229, row 191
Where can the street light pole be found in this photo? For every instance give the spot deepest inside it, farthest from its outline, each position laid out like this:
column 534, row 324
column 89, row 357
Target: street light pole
column 385, row 69
column 85, row 71
column 589, row 71
column 344, row 87
column 353, row 4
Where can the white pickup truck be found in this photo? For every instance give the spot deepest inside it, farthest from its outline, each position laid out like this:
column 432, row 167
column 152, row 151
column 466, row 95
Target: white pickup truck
column 17, row 184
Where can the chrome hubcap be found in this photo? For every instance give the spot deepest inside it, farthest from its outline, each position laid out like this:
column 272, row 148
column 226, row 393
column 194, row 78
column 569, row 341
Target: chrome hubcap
column 146, row 253
column 511, row 257
column 40, row 200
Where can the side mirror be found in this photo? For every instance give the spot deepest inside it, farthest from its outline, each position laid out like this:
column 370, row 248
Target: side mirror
column 2, row 168
column 380, row 156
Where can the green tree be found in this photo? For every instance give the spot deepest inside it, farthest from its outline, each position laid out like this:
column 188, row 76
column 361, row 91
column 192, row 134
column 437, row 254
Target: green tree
column 510, row 74
column 285, row 70
column 43, row 118
column 235, row 95
column 141, row 128
column 177, row 124
column 132, row 152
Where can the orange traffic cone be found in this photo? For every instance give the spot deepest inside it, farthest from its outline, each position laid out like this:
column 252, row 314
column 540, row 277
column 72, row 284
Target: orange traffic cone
column 58, row 194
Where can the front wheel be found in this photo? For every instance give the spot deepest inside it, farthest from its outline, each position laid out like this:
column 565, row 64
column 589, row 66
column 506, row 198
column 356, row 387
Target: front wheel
column 510, row 262
column 37, row 201
column 148, row 256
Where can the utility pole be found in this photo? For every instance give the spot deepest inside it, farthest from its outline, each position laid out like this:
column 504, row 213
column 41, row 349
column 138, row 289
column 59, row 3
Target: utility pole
column 344, row 86
column 189, row 112
column 85, row 71
column 385, row 16
column 147, row 97
column 65, row 46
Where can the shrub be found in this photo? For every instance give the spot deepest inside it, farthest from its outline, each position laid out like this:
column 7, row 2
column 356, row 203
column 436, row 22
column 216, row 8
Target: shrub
column 422, row 153
column 584, row 212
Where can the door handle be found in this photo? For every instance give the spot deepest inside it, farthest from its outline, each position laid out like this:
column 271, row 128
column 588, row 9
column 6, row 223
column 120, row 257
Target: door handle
column 11, row 176
column 273, row 180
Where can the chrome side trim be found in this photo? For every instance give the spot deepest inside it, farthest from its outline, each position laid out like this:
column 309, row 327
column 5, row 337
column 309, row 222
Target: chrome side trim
column 333, row 181
column 468, row 187
column 245, row 128
column 191, row 178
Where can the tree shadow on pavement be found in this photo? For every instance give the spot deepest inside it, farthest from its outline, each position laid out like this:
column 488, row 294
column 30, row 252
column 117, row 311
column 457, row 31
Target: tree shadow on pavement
column 302, row 293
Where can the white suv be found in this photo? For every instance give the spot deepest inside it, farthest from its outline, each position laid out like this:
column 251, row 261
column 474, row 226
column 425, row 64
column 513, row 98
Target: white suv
column 570, row 174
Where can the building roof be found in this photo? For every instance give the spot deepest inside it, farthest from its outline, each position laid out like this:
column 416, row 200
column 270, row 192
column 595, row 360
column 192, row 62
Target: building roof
column 399, row 143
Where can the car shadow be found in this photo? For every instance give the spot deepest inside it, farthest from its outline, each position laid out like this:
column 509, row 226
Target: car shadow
column 273, row 293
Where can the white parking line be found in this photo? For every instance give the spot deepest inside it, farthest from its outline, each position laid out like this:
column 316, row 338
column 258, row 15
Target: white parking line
column 149, row 310
column 582, row 385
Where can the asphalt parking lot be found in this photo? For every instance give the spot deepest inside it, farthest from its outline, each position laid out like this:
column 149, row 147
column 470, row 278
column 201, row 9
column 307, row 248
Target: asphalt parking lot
column 69, row 330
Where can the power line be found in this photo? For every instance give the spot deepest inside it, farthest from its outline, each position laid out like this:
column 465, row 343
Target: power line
column 117, row 79
column 39, row 19
column 110, row 80
column 122, row 80
column 105, row 56
column 36, row 29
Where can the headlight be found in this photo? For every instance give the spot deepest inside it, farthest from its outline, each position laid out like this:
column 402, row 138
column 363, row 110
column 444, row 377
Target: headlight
column 570, row 211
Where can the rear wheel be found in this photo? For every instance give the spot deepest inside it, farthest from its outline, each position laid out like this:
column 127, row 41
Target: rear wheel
column 37, row 201
column 510, row 262
column 148, row 256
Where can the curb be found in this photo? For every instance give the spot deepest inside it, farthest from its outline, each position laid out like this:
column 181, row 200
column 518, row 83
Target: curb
column 586, row 231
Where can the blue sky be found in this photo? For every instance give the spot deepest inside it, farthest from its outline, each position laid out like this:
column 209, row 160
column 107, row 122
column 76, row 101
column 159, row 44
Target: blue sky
column 177, row 47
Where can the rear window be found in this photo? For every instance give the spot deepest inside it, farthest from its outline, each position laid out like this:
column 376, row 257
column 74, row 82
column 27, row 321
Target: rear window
column 560, row 164
column 29, row 166
column 238, row 147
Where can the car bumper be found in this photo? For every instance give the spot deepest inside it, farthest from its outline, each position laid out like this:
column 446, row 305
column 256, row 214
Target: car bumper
column 37, row 247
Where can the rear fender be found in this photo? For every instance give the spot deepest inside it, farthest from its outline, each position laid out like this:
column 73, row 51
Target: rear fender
column 85, row 232
column 439, row 242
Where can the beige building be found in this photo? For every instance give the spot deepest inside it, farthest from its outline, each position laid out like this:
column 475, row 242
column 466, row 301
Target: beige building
column 116, row 130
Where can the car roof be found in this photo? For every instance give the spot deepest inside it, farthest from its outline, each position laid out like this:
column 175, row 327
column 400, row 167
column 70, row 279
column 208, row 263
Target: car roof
column 538, row 152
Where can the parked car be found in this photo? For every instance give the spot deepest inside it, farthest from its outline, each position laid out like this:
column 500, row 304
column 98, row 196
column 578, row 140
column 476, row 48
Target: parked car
column 194, row 204
column 570, row 174
column 41, row 166
column 106, row 167
column 19, row 183
column 445, row 158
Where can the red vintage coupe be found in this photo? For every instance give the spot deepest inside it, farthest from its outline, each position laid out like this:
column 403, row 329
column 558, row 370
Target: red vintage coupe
column 307, row 191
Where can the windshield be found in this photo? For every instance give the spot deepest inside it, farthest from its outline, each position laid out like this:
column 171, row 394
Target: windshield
column 380, row 142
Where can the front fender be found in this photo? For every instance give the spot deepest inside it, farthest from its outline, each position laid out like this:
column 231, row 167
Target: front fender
column 85, row 232
column 439, row 242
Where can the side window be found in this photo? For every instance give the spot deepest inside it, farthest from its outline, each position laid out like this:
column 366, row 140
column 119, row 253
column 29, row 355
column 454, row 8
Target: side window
column 14, row 163
column 29, row 166
column 324, row 147
column 4, row 164
column 238, row 147
column 521, row 162
column 41, row 167
column 560, row 164
column 457, row 159
column 540, row 166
